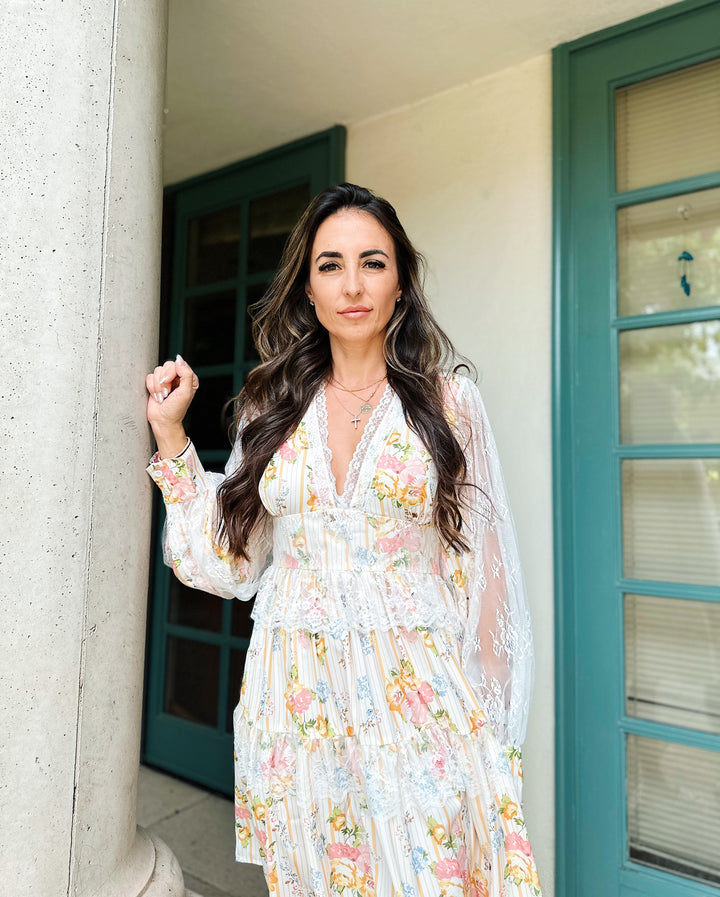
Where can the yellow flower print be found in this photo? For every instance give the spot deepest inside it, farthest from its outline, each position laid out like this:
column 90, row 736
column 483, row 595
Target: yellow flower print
column 270, row 471
column 299, row 439
column 320, row 647
column 321, row 726
column 313, row 500
column 508, row 808
column 477, row 720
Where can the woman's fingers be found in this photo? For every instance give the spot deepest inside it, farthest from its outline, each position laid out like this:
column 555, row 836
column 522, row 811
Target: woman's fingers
column 171, row 386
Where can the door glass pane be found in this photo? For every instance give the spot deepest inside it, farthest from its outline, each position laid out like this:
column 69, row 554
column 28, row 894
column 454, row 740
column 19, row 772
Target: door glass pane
column 673, row 807
column 205, row 422
column 667, row 128
column 237, row 667
column 672, row 661
column 653, row 241
column 271, row 220
column 671, row 519
column 670, row 384
column 190, row 607
column 192, row 673
column 213, row 246
column 209, row 336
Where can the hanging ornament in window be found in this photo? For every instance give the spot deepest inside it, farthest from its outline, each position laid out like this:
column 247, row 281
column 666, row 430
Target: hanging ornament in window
column 685, row 260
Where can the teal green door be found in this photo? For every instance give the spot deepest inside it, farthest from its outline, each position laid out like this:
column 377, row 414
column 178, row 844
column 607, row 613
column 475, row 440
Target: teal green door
column 637, row 473
column 228, row 231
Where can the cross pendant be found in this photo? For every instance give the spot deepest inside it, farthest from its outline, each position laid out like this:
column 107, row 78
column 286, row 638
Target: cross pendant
column 356, row 421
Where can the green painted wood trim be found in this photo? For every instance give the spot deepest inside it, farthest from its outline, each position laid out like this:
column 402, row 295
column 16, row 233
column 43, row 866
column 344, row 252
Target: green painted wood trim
column 631, row 877
column 664, row 318
column 664, row 732
column 663, row 191
column 562, row 440
column 660, row 16
column 669, row 590
column 691, row 450
column 335, row 138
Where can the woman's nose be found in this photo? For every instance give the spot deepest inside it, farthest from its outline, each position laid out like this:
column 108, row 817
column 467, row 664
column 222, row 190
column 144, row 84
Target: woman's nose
column 352, row 285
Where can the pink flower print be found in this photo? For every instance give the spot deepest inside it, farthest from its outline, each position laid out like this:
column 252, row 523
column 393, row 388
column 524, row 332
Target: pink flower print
column 261, row 836
column 516, row 842
column 426, row 693
column 389, row 544
column 178, row 488
column 363, row 861
column 279, row 767
column 287, row 452
column 390, row 462
column 447, row 869
column 418, row 708
column 439, row 765
column 413, row 473
column 340, row 851
column 412, row 540
column 291, row 561
column 298, row 699
column 242, row 812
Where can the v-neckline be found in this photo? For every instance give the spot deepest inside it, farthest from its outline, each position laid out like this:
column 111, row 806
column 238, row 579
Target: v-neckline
column 352, row 475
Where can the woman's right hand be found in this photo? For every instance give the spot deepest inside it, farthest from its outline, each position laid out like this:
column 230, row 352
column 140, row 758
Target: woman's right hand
column 171, row 389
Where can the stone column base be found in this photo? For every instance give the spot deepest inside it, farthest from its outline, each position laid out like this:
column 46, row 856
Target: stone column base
column 150, row 870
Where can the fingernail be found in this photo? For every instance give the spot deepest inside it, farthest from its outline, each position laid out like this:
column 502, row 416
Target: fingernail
column 156, row 396
column 180, row 359
column 163, row 379
column 166, row 392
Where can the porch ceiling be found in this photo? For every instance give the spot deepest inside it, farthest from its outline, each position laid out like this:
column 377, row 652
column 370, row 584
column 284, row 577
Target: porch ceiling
column 247, row 75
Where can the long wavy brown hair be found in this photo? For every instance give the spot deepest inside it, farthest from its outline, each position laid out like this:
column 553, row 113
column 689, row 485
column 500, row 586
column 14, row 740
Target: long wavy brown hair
column 296, row 361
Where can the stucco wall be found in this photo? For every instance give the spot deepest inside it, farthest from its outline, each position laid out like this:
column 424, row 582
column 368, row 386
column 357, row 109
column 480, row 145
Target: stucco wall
column 469, row 171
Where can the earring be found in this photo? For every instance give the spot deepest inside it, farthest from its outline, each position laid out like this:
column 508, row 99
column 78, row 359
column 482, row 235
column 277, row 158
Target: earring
column 398, row 299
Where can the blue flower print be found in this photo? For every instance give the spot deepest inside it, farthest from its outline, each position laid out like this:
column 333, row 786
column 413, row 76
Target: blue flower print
column 439, row 684
column 322, row 690
column 363, row 688
column 366, row 646
column 419, row 859
column 408, row 890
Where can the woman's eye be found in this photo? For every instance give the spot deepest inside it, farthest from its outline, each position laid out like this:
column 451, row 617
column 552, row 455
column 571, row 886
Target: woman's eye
column 328, row 266
column 375, row 263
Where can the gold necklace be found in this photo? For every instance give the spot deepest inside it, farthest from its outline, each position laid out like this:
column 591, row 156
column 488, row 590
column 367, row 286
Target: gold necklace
column 338, row 385
column 366, row 407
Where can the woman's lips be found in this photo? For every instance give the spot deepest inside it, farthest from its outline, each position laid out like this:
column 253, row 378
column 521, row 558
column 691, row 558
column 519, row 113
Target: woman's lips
column 355, row 311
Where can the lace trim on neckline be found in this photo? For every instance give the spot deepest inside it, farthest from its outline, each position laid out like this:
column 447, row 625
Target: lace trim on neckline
column 356, row 462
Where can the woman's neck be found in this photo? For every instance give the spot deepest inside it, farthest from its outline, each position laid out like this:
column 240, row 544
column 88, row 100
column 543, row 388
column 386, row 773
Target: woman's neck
column 356, row 367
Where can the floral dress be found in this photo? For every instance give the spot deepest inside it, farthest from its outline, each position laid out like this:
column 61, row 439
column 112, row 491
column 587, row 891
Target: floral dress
column 387, row 679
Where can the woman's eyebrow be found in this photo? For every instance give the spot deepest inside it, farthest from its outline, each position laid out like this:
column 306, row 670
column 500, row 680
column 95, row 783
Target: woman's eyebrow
column 330, row 254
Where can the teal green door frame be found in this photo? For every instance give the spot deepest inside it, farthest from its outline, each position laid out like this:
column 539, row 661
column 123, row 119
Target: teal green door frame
column 591, row 722
column 203, row 752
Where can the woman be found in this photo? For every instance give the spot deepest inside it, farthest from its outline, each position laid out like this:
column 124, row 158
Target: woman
column 387, row 681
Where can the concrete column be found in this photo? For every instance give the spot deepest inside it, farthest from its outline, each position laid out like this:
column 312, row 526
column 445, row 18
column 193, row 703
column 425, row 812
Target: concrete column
column 80, row 144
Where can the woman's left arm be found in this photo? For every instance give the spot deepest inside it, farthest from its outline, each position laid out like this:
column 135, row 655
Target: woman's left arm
column 497, row 650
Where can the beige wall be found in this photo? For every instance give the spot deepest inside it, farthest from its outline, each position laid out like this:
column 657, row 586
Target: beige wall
column 469, row 171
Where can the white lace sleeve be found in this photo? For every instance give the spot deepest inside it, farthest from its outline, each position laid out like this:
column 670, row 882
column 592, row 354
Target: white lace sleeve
column 190, row 544
column 497, row 650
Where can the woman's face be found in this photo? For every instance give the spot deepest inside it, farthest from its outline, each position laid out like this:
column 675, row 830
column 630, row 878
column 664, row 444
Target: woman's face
column 353, row 277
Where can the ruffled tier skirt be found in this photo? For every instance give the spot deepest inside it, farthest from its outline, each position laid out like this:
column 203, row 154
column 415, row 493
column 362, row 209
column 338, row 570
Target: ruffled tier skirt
column 364, row 765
